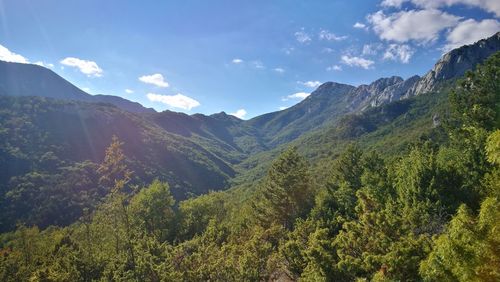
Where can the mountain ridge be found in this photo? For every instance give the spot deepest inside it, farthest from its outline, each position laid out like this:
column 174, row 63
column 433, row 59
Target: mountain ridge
column 17, row 79
column 456, row 62
column 196, row 153
column 353, row 99
column 323, row 108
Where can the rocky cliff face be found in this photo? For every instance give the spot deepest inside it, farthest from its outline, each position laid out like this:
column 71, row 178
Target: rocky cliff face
column 452, row 65
column 360, row 97
column 394, row 92
column 455, row 63
column 332, row 100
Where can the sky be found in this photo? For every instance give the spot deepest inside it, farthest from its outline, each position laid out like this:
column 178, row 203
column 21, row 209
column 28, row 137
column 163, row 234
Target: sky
column 243, row 57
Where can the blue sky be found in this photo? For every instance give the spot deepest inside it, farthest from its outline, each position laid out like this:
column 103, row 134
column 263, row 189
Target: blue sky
column 252, row 56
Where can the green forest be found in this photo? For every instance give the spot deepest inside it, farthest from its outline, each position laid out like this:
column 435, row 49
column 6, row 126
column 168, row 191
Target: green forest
column 425, row 211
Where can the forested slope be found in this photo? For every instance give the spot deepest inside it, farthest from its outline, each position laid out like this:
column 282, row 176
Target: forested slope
column 42, row 140
column 429, row 212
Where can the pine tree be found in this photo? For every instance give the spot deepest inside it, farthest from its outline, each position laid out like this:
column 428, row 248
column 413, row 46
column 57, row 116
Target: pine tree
column 469, row 249
column 286, row 192
column 475, row 101
column 114, row 176
column 335, row 203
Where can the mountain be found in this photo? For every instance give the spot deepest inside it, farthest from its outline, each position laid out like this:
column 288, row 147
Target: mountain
column 229, row 137
column 45, row 142
column 32, row 80
column 394, row 92
column 51, row 130
column 75, row 131
column 325, row 103
column 455, row 63
column 332, row 100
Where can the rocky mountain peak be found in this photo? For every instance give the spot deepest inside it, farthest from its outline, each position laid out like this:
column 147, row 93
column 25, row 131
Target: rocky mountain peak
column 331, row 86
column 382, row 83
column 456, row 62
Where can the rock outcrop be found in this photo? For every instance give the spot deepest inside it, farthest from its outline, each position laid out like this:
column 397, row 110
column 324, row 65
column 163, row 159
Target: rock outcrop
column 455, row 63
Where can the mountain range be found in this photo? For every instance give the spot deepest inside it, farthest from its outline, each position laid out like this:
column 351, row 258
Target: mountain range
column 33, row 80
column 40, row 112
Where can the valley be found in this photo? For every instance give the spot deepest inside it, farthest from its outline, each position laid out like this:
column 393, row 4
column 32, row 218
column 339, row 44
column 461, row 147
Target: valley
column 393, row 180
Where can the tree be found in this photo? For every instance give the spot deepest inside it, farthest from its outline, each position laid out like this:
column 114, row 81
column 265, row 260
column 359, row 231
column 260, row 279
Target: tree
column 152, row 211
column 114, row 176
column 387, row 236
column 335, row 203
column 475, row 101
column 468, row 250
column 113, row 171
column 492, row 179
column 195, row 214
column 286, row 192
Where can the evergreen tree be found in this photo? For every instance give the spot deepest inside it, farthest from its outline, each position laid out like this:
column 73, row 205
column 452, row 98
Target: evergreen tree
column 335, row 203
column 286, row 191
column 475, row 101
column 152, row 211
column 468, row 250
column 114, row 176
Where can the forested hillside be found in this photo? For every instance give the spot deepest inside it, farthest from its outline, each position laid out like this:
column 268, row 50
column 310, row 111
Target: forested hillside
column 406, row 191
column 48, row 146
column 51, row 130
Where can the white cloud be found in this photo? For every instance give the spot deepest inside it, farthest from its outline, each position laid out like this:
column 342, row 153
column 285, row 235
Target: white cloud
column 470, row 31
column 422, row 26
column 154, row 79
column 393, row 3
column 283, row 108
column 492, row 6
column 129, row 91
column 395, row 52
column 357, row 62
column 42, row 64
column 326, row 35
column 241, row 113
column 279, row 70
column 360, row 25
column 334, row 68
column 312, row 84
column 371, row 49
column 237, row 61
column 177, row 101
column 302, row 36
column 8, row 56
column 90, row 68
column 298, row 95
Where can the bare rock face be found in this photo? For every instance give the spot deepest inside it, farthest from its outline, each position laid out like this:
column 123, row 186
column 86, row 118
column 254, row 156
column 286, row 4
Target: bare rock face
column 394, row 92
column 455, row 63
column 436, row 120
column 361, row 96
column 452, row 65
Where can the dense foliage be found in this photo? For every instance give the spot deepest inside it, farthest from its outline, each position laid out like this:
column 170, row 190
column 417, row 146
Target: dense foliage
column 430, row 213
column 50, row 150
